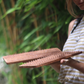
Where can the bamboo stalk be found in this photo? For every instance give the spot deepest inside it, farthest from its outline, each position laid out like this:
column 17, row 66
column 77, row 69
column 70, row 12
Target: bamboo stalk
column 15, row 30
column 35, row 24
column 8, row 26
column 15, row 41
column 58, row 35
column 4, row 32
column 13, row 4
column 37, row 33
column 14, row 24
column 46, row 17
column 20, row 75
column 55, row 17
column 46, row 14
column 14, row 69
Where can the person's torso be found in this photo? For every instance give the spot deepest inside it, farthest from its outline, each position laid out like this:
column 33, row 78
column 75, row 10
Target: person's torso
column 75, row 42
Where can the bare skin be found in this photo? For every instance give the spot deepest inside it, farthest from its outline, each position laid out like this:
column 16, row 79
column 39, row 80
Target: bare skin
column 79, row 3
column 75, row 64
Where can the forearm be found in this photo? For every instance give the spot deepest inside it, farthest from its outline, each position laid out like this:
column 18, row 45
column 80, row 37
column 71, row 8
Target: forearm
column 72, row 63
column 56, row 67
column 75, row 64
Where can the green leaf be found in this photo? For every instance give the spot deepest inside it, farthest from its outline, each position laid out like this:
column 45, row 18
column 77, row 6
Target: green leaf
column 31, row 33
column 0, row 1
column 10, row 11
column 41, row 73
column 37, row 39
column 58, row 28
column 68, row 20
column 43, row 41
column 28, row 48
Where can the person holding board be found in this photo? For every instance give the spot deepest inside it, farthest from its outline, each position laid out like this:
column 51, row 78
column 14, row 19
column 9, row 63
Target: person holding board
column 71, row 71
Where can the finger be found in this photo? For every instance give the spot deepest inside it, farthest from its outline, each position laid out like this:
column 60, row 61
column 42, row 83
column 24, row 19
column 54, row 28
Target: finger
column 64, row 61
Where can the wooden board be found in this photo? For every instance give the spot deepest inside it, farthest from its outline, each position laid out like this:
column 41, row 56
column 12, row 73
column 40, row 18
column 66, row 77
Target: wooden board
column 39, row 58
column 48, row 60
column 28, row 56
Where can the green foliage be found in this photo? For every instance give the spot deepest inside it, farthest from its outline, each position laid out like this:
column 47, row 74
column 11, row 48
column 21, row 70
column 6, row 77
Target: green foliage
column 0, row 1
column 42, row 24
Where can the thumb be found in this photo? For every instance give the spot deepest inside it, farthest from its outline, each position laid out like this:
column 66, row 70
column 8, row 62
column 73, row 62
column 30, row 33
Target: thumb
column 64, row 61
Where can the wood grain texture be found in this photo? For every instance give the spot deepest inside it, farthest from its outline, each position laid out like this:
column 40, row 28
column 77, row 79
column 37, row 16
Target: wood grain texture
column 48, row 60
column 39, row 58
column 28, row 56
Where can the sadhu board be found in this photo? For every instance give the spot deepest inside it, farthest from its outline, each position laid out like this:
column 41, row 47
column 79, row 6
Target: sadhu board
column 35, row 59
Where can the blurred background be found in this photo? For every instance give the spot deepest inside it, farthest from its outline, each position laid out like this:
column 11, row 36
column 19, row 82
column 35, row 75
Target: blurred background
column 28, row 25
